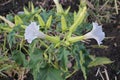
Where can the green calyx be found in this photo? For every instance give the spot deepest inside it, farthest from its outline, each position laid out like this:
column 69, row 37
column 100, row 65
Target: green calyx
column 53, row 39
column 75, row 39
column 79, row 19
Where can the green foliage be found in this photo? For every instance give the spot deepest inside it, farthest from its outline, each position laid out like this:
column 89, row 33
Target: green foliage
column 63, row 24
column 82, row 62
column 82, row 58
column 41, row 21
column 49, row 21
column 64, row 53
column 50, row 74
column 49, row 58
column 19, row 57
column 99, row 61
column 35, row 62
column 6, row 64
column 11, row 38
column 18, row 20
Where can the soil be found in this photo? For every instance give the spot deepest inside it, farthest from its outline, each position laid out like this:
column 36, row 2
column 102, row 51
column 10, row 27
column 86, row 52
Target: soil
column 112, row 50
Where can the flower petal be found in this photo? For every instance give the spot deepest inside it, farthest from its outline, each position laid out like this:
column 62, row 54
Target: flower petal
column 32, row 32
column 96, row 33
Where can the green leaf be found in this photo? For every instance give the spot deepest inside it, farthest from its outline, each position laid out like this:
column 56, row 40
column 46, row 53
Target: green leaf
column 41, row 21
column 7, row 29
column 49, row 22
column 5, row 68
column 18, row 20
column 59, row 7
column 50, row 74
column 75, row 14
column 64, row 58
column 36, row 61
column 63, row 24
column 99, row 61
column 19, row 57
column 11, row 38
column 3, row 58
column 82, row 61
column 35, row 58
column 80, row 17
column 32, row 7
column 26, row 11
column 10, row 17
column 67, row 11
column 53, row 39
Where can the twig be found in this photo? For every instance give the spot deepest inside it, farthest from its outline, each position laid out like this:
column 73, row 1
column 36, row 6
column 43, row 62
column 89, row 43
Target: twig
column 106, row 73
column 115, row 78
column 90, row 5
column 118, row 3
column 98, row 72
column 101, row 75
column 5, row 3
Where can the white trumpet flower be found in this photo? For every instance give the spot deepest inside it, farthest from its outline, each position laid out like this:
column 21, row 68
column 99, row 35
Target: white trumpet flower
column 96, row 33
column 32, row 32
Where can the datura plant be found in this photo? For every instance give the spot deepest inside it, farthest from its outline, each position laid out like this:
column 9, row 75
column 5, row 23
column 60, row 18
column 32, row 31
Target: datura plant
column 52, row 41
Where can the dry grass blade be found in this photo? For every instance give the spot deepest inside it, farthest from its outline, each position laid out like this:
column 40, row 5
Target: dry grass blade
column 99, row 72
column 5, row 3
column 103, row 5
column 7, row 21
column 90, row 5
column 115, row 78
column 116, row 6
